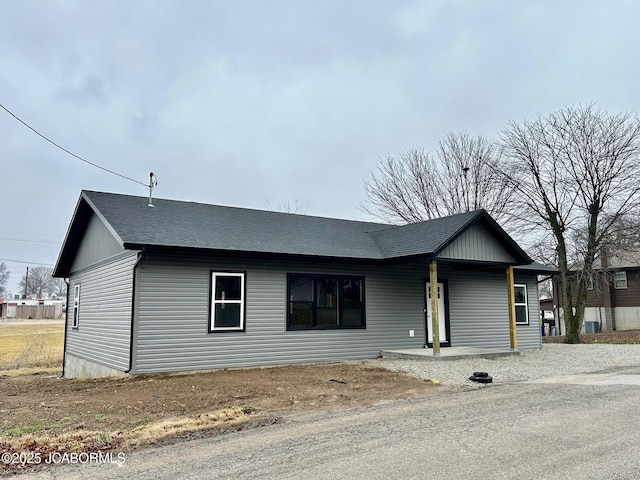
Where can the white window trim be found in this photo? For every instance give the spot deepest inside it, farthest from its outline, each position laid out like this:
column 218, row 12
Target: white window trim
column 623, row 281
column 590, row 283
column 214, row 302
column 76, row 306
column 521, row 304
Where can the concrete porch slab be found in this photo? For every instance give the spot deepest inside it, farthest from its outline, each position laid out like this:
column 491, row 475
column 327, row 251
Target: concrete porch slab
column 448, row 353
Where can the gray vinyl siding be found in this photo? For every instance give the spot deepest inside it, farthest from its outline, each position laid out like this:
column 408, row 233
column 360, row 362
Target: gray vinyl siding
column 529, row 336
column 104, row 325
column 172, row 314
column 479, row 315
column 171, row 327
column 476, row 243
column 479, row 312
column 97, row 244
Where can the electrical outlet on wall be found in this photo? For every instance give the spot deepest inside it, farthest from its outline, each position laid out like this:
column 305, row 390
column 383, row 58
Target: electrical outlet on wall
column 412, row 333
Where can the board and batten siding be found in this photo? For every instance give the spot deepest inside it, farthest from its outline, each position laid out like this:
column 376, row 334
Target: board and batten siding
column 104, row 323
column 172, row 314
column 476, row 243
column 97, row 244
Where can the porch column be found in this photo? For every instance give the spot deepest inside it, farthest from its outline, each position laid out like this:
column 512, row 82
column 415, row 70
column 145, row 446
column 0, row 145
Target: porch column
column 435, row 323
column 511, row 301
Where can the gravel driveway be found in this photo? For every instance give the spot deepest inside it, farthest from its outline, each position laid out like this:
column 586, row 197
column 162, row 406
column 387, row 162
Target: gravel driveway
column 550, row 361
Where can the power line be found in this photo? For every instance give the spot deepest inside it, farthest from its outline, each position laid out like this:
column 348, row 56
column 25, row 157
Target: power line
column 65, row 150
column 34, row 240
column 28, row 263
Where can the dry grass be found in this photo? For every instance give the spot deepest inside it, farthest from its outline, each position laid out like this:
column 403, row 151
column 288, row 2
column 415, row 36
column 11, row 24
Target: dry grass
column 175, row 427
column 86, row 441
column 28, row 345
column 155, row 432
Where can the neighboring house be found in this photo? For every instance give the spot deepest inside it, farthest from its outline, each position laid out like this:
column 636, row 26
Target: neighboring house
column 185, row 286
column 613, row 292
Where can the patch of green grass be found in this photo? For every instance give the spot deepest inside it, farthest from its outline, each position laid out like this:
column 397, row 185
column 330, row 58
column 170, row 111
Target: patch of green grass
column 22, row 430
column 136, row 422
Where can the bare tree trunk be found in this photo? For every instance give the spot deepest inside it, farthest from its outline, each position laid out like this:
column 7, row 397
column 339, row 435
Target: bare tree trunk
column 576, row 175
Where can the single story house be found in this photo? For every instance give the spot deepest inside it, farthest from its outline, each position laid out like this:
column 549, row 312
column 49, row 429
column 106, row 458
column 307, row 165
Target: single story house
column 182, row 286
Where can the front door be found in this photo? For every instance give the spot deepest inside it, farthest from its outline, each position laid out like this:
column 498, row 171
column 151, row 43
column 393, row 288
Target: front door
column 443, row 315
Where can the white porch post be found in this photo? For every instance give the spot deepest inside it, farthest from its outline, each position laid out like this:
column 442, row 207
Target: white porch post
column 435, row 323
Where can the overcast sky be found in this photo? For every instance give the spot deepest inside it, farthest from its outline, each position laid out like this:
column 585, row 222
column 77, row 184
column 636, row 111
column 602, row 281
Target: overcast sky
column 245, row 103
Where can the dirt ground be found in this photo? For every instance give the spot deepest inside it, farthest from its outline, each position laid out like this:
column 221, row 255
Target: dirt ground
column 46, row 406
column 95, row 403
column 41, row 412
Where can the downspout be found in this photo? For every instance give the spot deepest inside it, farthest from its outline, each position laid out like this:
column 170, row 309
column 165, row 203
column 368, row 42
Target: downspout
column 133, row 308
column 66, row 313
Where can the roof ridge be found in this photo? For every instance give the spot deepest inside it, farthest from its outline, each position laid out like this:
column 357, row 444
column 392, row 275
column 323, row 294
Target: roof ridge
column 232, row 207
column 447, row 217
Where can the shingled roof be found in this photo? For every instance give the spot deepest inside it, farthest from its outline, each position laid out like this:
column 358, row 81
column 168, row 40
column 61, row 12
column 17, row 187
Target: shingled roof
column 179, row 224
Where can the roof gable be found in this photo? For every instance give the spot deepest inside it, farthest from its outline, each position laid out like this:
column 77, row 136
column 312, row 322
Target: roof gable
column 465, row 236
column 97, row 244
column 477, row 243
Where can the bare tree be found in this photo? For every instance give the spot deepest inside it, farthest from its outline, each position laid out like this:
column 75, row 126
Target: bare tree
column 416, row 186
column 39, row 281
column 576, row 174
column 288, row 207
column 58, row 287
column 4, row 278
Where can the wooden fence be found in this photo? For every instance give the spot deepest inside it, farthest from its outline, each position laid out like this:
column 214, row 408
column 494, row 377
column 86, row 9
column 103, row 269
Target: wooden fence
column 35, row 311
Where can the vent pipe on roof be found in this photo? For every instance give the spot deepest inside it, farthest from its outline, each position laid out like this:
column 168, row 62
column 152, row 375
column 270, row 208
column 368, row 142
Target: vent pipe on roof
column 153, row 182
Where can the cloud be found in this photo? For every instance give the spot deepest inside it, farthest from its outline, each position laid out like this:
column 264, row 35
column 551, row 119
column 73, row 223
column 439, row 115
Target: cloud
column 89, row 92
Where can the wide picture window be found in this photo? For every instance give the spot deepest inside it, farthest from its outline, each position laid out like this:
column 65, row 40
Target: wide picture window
column 324, row 302
column 227, row 301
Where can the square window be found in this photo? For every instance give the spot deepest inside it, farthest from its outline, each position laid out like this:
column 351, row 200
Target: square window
column 520, row 294
column 620, row 280
column 227, row 301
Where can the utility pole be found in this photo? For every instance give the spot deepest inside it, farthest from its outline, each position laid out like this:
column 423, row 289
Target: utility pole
column 465, row 188
column 26, row 282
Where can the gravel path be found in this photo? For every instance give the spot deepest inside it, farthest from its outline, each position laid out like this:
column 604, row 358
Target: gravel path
column 550, row 361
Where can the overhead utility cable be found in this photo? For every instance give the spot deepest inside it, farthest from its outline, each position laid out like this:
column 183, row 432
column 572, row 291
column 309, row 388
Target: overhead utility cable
column 28, row 263
column 67, row 151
